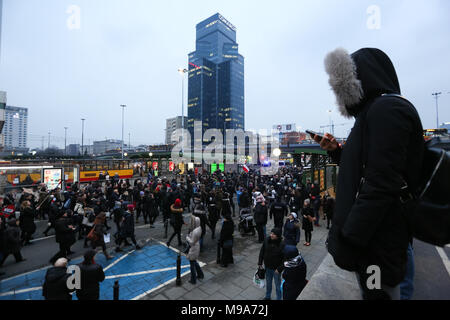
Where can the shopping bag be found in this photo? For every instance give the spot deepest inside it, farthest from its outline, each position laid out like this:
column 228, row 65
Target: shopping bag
column 260, row 283
column 107, row 238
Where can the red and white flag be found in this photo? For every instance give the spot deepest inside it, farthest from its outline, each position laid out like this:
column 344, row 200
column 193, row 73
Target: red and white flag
column 246, row 169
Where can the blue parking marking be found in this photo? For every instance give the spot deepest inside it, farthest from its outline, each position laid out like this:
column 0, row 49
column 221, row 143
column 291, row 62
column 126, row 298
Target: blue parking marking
column 134, row 273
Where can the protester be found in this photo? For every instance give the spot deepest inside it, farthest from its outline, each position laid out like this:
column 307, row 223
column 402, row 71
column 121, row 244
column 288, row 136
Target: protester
column 329, row 209
column 176, row 221
column 55, row 285
column 292, row 230
column 11, row 242
column 294, row 273
column 271, row 254
column 193, row 239
column 382, row 155
column 96, row 235
column 278, row 211
column 26, row 221
column 127, row 229
column 260, row 216
column 91, row 275
column 226, row 241
column 65, row 237
column 307, row 222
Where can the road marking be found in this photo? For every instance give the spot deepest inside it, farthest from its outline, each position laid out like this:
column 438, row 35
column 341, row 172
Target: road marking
column 444, row 258
column 118, row 260
column 10, row 293
column 40, row 239
column 159, row 287
column 144, row 272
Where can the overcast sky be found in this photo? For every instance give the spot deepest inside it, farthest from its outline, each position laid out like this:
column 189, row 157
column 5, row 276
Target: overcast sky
column 128, row 52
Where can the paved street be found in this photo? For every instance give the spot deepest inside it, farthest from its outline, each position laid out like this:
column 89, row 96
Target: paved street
column 139, row 280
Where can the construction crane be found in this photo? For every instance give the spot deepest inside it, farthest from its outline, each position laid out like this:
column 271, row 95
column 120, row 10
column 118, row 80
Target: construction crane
column 332, row 126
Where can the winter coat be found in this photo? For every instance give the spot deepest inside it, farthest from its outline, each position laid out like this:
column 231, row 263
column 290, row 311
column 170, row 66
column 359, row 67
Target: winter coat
column 55, row 285
column 371, row 229
column 226, row 233
column 271, row 254
column 329, row 207
column 27, row 220
column 194, row 239
column 278, row 210
column 294, row 274
column 12, row 241
column 176, row 217
column 307, row 225
column 291, row 232
column 64, row 234
column 91, row 276
column 261, row 214
column 127, row 226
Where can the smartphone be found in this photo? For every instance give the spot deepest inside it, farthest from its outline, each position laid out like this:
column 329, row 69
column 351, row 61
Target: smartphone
column 313, row 133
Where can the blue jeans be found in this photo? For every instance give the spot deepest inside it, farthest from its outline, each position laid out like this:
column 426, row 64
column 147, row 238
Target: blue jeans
column 407, row 286
column 270, row 274
column 196, row 271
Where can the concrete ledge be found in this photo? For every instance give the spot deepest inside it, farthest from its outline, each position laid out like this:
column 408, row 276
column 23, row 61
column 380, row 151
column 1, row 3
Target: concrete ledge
column 331, row 283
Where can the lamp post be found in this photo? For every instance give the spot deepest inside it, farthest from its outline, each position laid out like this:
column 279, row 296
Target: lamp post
column 123, row 115
column 49, row 141
column 436, row 96
column 65, row 140
column 182, row 73
column 82, row 137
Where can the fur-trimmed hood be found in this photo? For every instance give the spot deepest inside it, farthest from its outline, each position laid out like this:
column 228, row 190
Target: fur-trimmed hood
column 360, row 77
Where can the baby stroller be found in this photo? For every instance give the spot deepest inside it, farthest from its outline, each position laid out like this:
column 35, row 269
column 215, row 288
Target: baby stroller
column 246, row 224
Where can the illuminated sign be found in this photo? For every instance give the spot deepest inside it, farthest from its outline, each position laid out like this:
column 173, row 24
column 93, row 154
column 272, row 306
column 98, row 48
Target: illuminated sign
column 53, row 178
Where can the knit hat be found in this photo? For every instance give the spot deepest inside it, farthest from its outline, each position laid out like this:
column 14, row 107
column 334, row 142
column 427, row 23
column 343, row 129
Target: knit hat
column 178, row 203
column 277, row 232
column 290, row 252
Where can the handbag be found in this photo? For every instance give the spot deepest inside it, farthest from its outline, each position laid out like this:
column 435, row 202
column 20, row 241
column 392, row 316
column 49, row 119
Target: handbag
column 186, row 248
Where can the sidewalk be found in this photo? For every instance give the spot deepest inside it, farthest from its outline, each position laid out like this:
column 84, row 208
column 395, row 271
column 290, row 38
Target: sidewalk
column 236, row 281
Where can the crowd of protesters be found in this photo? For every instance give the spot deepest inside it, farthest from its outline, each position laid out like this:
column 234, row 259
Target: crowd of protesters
column 82, row 213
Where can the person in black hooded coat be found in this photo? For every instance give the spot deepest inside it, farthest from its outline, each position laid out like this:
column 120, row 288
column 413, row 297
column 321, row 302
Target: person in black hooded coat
column 385, row 148
column 294, row 273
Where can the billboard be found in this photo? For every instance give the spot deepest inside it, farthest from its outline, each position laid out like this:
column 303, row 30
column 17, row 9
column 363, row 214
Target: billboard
column 53, row 178
column 284, row 128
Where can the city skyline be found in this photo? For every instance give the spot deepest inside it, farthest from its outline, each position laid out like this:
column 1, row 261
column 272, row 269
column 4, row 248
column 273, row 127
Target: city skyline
column 129, row 53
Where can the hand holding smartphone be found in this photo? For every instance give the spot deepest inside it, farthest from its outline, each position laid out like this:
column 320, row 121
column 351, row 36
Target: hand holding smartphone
column 313, row 134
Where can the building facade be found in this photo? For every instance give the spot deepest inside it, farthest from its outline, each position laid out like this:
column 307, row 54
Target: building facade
column 172, row 125
column 73, row 150
column 216, row 78
column 16, row 127
column 102, row 147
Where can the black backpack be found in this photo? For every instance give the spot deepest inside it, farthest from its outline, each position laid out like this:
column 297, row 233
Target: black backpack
column 427, row 210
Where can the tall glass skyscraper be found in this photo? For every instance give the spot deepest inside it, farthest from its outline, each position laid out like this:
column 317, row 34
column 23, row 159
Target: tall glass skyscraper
column 216, row 77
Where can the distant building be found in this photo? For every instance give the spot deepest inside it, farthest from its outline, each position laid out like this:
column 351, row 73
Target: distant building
column 73, row 150
column 16, row 127
column 2, row 113
column 446, row 126
column 216, row 78
column 88, row 150
column 172, row 125
column 102, row 147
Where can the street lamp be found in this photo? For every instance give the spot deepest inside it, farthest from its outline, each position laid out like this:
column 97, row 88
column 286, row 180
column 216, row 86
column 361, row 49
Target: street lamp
column 82, row 137
column 277, row 152
column 65, row 140
column 182, row 72
column 123, row 115
column 436, row 96
column 150, row 154
column 125, row 154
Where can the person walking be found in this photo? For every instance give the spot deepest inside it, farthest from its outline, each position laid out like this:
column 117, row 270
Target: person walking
column 127, row 229
column 260, row 216
column 26, row 221
column 278, row 211
column 315, row 203
column 292, row 230
column 382, row 156
column 65, row 237
column 55, row 284
column 176, row 221
column 91, row 275
column 193, row 239
column 97, row 234
column 329, row 209
column 226, row 241
column 294, row 273
column 11, row 242
column 307, row 222
column 271, row 254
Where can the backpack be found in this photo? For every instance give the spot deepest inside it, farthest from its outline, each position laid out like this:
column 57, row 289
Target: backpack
column 427, row 210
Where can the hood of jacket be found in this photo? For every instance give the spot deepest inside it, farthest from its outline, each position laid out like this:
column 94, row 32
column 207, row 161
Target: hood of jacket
column 360, row 77
column 195, row 223
column 294, row 262
column 55, row 274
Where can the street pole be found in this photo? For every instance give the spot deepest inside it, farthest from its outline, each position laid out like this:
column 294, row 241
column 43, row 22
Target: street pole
column 436, row 95
column 123, row 115
column 82, row 137
column 65, row 140
column 49, row 140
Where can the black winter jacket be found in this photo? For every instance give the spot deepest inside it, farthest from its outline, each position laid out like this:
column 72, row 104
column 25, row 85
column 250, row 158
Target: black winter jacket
column 91, row 276
column 261, row 214
column 371, row 229
column 272, row 255
column 55, row 285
